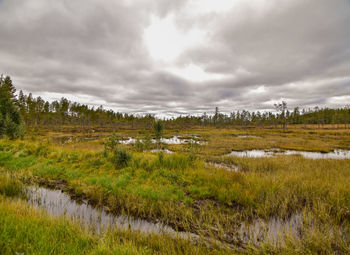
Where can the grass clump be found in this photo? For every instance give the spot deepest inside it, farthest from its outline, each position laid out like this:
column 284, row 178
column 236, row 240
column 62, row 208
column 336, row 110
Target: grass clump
column 49, row 169
column 10, row 187
column 121, row 158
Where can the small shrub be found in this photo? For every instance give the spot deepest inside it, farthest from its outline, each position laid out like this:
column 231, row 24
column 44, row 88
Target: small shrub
column 147, row 142
column 121, row 158
column 158, row 131
column 39, row 150
column 139, row 146
column 192, row 149
column 111, row 143
column 73, row 158
column 161, row 157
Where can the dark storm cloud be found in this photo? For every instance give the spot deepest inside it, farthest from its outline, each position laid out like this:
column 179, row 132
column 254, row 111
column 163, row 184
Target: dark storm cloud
column 293, row 50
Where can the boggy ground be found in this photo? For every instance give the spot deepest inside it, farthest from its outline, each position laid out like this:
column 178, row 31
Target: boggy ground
column 181, row 191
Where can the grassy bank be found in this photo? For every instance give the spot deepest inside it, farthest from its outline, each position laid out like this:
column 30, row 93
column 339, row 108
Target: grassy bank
column 24, row 230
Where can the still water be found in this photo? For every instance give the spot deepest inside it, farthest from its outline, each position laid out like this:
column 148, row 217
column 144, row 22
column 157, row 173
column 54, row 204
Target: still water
column 336, row 154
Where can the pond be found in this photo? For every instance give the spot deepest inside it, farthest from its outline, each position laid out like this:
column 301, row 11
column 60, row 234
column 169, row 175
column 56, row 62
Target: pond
column 172, row 140
column 68, row 138
column 227, row 167
column 336, row 154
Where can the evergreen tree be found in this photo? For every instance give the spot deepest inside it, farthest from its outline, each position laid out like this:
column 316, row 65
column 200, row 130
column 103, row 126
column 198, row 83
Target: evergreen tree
column 158, row 131
column 10, row 119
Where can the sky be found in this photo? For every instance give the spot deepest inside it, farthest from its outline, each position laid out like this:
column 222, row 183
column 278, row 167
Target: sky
column 179, row 57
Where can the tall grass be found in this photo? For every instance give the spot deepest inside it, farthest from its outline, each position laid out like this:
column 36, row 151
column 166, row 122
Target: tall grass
column 24, row 230
column 10, row 186
column 179, row 190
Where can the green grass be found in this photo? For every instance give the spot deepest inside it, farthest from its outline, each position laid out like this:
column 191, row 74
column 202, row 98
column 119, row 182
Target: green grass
column 10, row 186
column 178, row 189
column 49, row 169
column 24, row 230
column 12, row 163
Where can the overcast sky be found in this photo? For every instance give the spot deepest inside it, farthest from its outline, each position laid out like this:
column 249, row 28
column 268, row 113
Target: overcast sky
column 179, row 56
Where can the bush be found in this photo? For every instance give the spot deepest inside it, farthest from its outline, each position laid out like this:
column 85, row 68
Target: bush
column 111, row 143
column 147, row 142
column 139, row 146
column 121, row 158
column 161, row 157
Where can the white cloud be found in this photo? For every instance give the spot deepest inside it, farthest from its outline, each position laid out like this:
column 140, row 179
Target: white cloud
column 195, row 73
column 166, row 42
column 339, row 100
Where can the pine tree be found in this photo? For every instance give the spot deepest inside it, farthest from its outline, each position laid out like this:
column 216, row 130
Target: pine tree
column 158, row 131
column 10, row 119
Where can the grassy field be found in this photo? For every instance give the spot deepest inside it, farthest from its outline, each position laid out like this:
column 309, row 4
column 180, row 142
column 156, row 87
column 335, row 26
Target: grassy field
column 181, row 190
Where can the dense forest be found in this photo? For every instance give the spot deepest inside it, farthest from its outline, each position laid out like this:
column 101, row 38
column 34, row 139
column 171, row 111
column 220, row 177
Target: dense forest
column 21, row 108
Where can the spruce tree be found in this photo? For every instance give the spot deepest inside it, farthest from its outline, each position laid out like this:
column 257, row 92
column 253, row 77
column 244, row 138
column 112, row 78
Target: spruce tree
column 10, row 119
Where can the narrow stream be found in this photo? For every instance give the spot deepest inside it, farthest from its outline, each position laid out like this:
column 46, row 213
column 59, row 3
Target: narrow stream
column 57, row 203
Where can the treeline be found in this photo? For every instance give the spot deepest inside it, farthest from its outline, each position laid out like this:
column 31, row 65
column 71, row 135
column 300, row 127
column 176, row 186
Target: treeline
column 38, row 112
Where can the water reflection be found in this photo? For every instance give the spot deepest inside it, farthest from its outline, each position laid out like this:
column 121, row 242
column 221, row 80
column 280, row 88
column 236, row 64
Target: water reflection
column 68, row 138
column 57, row 203
column 336, row 154
column 172, row 140
column 272, row 231
column 227, row 167
column 162, row 150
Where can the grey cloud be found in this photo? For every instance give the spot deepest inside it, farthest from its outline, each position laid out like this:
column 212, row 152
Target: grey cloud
column 298, row 50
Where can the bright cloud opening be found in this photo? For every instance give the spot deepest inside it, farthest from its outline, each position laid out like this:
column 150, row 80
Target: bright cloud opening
column 164, row 40
column 195, row 73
